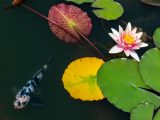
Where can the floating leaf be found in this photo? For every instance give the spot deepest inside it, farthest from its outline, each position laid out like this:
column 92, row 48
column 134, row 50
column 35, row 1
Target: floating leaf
column 120, row 81
column 150, row 68
column 81, row 1
column 143, row 112
column 156, row 37
column 68, row 17
column 107, row 9
column 151, row 2
column 157, row 115
column 80, row 79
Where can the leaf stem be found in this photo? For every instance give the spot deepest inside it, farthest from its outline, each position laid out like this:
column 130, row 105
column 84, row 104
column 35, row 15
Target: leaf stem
column 46, row 18
column 95, row 48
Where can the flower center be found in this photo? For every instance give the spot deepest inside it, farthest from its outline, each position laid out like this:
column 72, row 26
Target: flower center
column 128, row 39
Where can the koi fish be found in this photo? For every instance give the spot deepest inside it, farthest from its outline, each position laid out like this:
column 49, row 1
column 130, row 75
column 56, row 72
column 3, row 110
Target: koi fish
column 25, row 94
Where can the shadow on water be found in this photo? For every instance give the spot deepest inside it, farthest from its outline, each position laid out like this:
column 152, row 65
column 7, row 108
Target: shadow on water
column 26, row 44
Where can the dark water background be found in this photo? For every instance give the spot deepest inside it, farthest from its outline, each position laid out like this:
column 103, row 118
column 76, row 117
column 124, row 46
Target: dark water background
column 27, row 43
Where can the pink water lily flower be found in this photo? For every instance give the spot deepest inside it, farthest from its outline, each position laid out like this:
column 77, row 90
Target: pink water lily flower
column 127, row 40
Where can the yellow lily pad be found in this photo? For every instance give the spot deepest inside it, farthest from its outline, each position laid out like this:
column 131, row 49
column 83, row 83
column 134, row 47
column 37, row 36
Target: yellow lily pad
column 80, row 79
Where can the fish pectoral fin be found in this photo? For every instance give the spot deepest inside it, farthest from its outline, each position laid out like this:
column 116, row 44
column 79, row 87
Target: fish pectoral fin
column 15, row 90
column 36, row 101
column 37, row 92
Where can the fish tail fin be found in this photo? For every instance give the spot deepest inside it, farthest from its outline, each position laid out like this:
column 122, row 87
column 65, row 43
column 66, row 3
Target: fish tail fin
column 45, row 66
column 48, row 62
column 50, row 59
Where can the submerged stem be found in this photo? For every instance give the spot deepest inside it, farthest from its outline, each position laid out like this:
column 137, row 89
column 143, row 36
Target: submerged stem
column 36, row 12
column 46, row 18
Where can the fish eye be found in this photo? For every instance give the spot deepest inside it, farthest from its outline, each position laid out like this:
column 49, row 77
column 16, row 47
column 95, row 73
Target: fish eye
column 18, row 103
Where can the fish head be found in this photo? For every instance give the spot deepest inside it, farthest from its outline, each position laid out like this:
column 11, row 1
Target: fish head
column 21, row 102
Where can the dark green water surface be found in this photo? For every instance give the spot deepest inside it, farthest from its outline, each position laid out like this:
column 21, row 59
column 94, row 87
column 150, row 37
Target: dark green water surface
column 26, row 44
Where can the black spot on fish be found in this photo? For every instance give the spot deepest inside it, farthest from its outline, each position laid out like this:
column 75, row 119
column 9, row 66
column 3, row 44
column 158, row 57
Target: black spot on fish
column 36, row 80
column 18, row 103
column 33, row 84
column 22, row 92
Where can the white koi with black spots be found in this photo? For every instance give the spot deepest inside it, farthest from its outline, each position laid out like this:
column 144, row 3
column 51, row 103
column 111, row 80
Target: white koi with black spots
column 24, row 95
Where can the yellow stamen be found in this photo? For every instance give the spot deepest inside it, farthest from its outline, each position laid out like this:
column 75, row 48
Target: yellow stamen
column 128, row 39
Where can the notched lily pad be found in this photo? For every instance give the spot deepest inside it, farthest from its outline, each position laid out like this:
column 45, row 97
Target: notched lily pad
column 157, row 115
column 120, row 82
column 143, row 112
column 107, row 9
column 80, row 79
column 68, row 17
column 150, row 68
column 156, row 37
column 80, row 1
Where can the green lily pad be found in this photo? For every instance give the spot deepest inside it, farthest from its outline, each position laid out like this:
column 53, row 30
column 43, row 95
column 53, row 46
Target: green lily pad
column 120, row 82
column 157, row 115
column 156, row 37
column 143, row 112
column 80, row 1
column 150, row 68
column 108, row 9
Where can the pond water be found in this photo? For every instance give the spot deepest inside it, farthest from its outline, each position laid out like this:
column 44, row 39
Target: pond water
column 27, row 43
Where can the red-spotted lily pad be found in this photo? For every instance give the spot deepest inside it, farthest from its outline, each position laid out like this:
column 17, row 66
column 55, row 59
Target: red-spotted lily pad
column 67, row 18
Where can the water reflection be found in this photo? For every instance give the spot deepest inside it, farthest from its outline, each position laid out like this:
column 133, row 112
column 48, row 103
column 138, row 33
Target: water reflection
column 26, row 43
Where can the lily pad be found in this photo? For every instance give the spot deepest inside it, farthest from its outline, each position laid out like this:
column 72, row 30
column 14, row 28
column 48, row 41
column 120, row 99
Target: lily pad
column 80, row 79
column 151, row 2
column 81, row 1
column 150, row 68
column 107, row 9
column 156, row 37
column 157, row 115
column 143, row 112
column 68, row 17
column 120, row 81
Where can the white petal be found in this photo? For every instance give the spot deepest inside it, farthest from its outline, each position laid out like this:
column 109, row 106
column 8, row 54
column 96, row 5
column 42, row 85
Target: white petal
column 134, row 30
column 116, row 49
column 142, row 44
column 138, row 35
column 115, row 32
column 127, row 52
column 138, row 41
column 134, row 55
column 136, row 47
column 120, row 29
column 115, row 38
column 129, row 27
